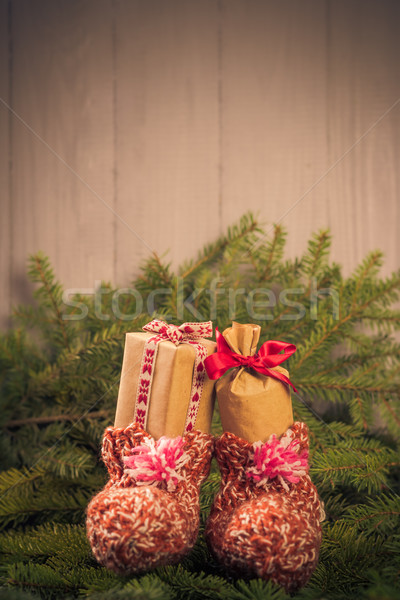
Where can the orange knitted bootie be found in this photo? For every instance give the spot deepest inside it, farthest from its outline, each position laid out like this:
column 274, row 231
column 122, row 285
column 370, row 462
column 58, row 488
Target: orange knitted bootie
column 265, row 520
column 148, row 513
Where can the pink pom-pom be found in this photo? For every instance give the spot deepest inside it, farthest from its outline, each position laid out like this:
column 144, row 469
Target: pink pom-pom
column 159, row 461
column 278, row 458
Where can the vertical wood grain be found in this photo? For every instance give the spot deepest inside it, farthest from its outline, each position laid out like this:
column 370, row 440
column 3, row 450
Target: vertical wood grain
column 167, row 129
column 364, row 56
column 182, row 115
column 62, row 89
column 274, row 144
column 5, row 157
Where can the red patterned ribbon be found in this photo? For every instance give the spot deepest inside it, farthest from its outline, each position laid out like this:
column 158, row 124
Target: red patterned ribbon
column 187, row 333
column 269, row 355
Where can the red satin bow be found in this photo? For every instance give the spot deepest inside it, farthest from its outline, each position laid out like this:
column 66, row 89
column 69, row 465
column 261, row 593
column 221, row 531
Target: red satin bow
column 269, row 355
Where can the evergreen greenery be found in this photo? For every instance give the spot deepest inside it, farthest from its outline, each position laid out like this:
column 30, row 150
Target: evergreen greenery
column 59, row 383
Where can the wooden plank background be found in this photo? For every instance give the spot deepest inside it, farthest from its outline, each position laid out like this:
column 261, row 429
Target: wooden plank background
column 132, row 125
column 5, row 166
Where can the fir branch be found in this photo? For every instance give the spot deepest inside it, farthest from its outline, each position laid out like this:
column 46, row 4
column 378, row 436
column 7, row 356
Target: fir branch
column 163, row 271
column 350, row 377
column 396, row 418
column 345, row 386
column 273, row 248
column 37, row 577
column 358, row 413
column 392, row 285
column 364, row 273
column 16, row 509
column 246, row 227
column 40, row 271
column 341, row 466
column 46, row 540
column 52, row 418
column 318, row 248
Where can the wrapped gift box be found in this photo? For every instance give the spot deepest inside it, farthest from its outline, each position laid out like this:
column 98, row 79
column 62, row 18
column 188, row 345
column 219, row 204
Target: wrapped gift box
column 171, row 386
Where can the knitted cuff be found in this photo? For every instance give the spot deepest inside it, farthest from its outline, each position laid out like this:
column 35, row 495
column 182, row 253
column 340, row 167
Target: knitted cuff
column 133, row 457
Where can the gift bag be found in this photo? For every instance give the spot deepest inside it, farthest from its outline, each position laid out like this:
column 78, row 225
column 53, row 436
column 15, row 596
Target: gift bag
column 253, row 403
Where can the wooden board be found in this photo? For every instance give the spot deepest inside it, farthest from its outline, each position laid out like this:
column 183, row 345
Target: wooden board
column 167, row 129
column 364, row 85
column 63, row 153
column 274, row 144
column 5, row 158
column 148, row 125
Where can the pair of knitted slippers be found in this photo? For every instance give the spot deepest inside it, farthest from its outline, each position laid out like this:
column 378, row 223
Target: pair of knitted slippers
column 264, row 522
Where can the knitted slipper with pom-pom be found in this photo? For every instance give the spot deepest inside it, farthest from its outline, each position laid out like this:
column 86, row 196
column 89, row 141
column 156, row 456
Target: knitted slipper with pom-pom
column 148, row 513
column 265, row 519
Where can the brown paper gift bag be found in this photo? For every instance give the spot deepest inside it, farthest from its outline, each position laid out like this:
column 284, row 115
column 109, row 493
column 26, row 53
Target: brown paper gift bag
column 252, row 405
column 170, row 389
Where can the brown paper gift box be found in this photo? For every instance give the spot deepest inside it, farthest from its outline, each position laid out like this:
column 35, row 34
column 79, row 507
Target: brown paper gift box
column 170, row 392
column 252, row 405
